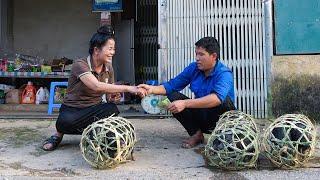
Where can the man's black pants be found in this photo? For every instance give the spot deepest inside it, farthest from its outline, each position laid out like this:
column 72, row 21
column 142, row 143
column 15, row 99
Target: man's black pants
column 74, row 120
column 204, row 119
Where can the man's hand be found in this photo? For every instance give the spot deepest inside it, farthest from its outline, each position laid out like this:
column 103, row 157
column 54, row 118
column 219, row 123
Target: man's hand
column 114, row 97
column 177, row 106
column 147, row 87
column 137, row 91
column 158, row 90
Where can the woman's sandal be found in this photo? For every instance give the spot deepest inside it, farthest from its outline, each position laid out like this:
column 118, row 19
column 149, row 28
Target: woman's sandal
column 54, row 140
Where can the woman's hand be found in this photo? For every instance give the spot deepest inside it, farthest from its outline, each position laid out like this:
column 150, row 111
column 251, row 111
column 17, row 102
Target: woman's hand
column 142, row 92
column 137, row 91
column 114, row 97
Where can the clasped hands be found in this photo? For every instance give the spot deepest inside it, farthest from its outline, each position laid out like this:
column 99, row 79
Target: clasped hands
column 116, row 97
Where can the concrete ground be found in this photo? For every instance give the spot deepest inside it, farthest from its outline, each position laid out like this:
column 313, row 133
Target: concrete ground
column 157, row 156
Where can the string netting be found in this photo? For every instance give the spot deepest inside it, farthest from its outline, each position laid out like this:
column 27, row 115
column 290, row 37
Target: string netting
column 233, row 145
column 108, row 142
column 239, row 118
column 289, row 142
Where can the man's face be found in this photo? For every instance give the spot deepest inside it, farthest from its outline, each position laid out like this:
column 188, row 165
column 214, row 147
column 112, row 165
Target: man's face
column 204, row 60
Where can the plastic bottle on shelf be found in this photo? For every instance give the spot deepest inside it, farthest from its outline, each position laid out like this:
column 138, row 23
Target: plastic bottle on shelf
column 28, row 95
column 46, row 93
column 40, row 96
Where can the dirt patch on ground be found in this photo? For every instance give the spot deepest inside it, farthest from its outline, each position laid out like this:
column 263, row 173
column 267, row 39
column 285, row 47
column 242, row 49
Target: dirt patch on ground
column 158, row 155
column 17, row 137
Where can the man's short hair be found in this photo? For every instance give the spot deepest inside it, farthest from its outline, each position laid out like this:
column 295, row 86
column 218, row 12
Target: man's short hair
column 210, row 44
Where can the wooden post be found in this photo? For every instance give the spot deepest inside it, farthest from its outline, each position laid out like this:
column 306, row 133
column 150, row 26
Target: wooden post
column 162, row 40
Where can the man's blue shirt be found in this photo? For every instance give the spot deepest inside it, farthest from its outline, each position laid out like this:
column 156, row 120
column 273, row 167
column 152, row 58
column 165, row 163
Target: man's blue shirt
column 220, row 82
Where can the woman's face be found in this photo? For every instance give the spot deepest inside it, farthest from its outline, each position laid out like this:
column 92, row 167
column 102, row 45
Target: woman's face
column 107, row 51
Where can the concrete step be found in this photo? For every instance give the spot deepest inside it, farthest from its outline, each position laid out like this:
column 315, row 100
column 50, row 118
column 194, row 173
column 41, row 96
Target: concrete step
column 44, row 107
column 33, row 111
column 24, row 107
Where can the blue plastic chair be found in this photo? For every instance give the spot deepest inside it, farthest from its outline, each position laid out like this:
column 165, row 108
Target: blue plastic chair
column 51, row 104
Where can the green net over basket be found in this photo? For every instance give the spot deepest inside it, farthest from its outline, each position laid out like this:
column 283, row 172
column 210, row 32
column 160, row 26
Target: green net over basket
column 233, row 145
column 289, row 142
column 237, row 117
column 108, row 142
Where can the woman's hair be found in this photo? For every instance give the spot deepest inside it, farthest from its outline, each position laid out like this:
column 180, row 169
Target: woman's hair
column 103, row 34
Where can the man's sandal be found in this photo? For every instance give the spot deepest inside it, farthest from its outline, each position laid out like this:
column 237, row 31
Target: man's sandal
column 54, row 140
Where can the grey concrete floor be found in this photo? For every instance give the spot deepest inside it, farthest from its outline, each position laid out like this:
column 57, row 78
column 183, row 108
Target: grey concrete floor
column 158, row 155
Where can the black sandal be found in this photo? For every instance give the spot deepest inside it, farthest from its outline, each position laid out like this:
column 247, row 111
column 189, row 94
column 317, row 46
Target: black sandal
column 54, row 140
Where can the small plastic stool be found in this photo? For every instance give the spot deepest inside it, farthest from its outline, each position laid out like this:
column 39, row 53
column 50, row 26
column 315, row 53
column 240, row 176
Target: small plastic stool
column 51, row 104
column 152, row 82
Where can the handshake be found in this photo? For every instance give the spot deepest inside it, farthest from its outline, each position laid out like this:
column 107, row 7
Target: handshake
column 141, row 90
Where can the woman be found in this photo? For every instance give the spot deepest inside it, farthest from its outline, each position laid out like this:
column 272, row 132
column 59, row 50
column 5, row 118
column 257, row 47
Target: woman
column 90, row 78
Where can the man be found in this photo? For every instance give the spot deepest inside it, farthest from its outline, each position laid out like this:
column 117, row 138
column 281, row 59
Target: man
column 212, row 84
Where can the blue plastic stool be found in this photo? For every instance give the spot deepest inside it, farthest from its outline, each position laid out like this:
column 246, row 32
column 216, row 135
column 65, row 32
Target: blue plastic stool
column 51, row 104
column 152, row 82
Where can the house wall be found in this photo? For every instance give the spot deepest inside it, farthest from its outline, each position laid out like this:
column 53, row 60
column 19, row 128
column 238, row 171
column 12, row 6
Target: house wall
column 298, row 65
column 6, row 36
column 295, row 82
column 123, row 61
column 295, row 85
column 53, row 29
